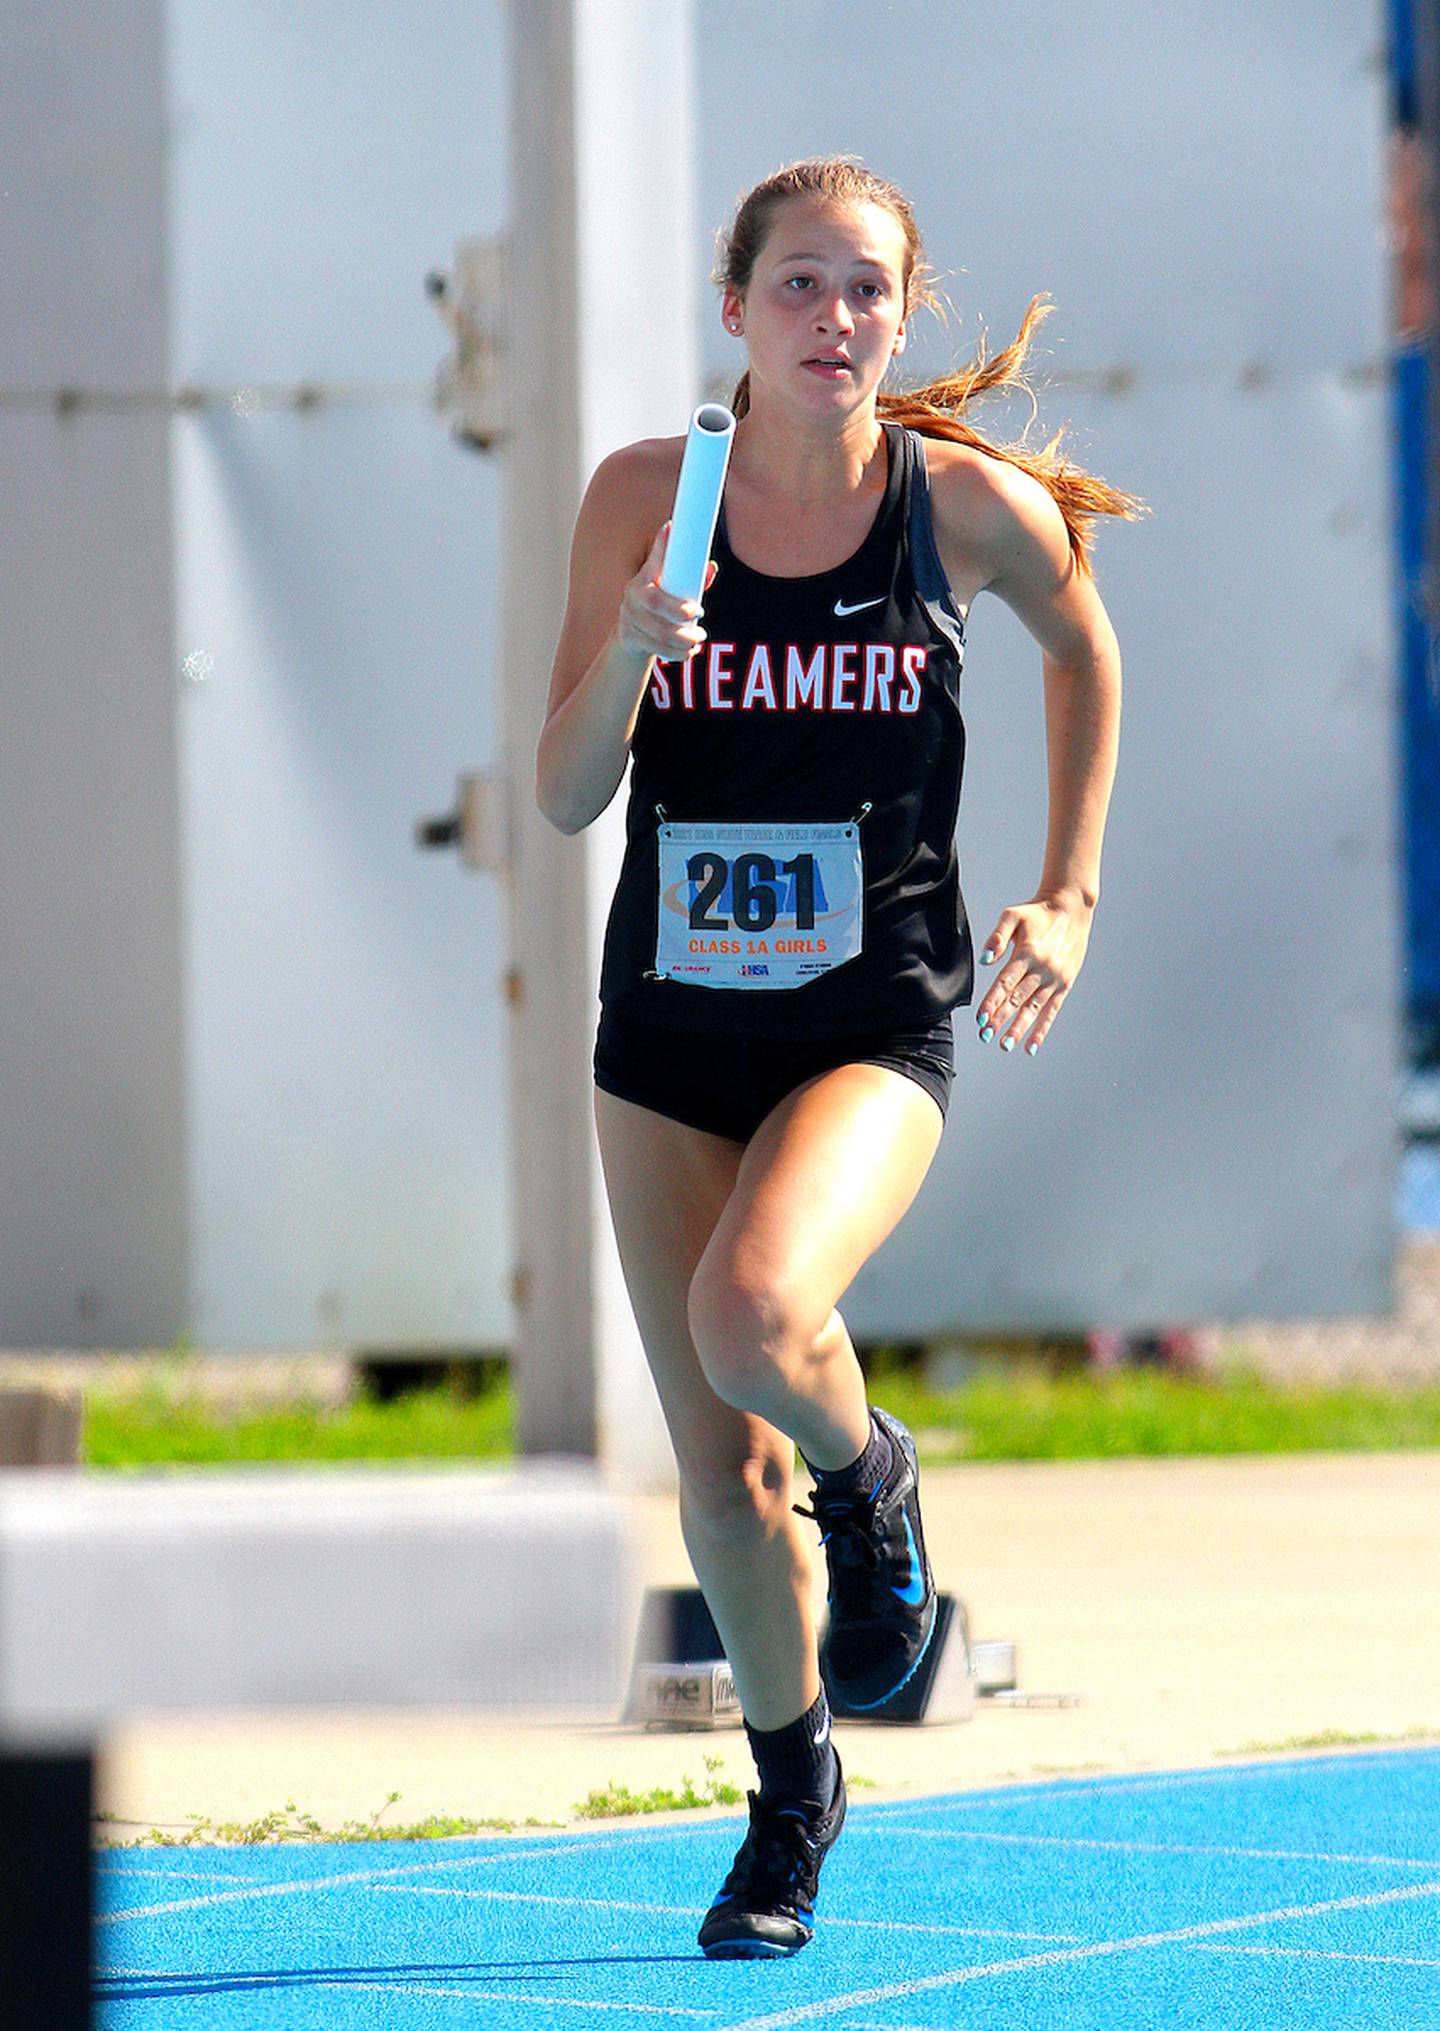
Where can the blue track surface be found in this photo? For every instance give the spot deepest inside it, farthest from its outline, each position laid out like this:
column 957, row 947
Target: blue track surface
column 1303, row 1893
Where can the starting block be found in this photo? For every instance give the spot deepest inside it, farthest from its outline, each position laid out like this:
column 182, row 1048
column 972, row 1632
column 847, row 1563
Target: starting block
column 943, row 1686
column 679, row 1676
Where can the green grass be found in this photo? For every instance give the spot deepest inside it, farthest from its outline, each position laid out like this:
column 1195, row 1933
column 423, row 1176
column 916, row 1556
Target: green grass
column 1329, row 1738
column 618, row 1801
column 998, row 1415
column 160, row 1427
column 615, row 1801
column 1150, row 1412
column 275, row 1828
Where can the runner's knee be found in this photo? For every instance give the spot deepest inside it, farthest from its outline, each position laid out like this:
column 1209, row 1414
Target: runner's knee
column 748, row 1333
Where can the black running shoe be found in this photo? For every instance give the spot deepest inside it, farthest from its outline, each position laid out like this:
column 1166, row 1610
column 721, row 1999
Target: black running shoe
column 765, row 1908
column 882, row 1595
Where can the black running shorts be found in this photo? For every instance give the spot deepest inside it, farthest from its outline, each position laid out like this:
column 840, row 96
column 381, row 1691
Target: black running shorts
column 727, row 1085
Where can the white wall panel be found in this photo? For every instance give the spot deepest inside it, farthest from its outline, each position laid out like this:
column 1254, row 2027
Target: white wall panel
column 253, row 1037
column 340, row 567
column 1208, row 1130
column 93, row 1247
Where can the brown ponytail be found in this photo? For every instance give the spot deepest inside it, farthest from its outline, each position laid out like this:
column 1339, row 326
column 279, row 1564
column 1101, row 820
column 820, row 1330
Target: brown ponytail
column 933, row 409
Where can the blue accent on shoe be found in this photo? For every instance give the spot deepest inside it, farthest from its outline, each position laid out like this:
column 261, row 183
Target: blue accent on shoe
column 760, row 1912
column 862, row 1553
column 913, row 1590
column 864, row 1706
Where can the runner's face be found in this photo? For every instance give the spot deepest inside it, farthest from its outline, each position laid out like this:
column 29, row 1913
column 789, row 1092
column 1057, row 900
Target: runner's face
column 828, row 280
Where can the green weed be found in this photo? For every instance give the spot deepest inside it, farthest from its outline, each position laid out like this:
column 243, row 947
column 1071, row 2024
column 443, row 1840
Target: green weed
column 1329, row 1738
column 294, row 1825
column 618, row 1801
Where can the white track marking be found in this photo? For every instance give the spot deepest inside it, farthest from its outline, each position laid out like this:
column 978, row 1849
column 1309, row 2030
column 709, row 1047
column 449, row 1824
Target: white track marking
column 631, row 1836
column 699, row 1910
column 1396, row 1960
column 925, row 1833
column 261, row 1981
column 187, row 1875
column 297, row 1886
column 836, row 2005
column 1106, row 1786
column 509, row 1996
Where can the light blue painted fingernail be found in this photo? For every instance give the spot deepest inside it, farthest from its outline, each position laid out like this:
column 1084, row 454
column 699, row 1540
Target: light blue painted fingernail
column 987, row 958
column 1007, row 1043
column 1032, row 1049
column 986, row 1034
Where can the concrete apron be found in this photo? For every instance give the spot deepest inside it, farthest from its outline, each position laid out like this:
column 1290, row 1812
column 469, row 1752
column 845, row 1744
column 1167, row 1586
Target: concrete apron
column 1201, row 1608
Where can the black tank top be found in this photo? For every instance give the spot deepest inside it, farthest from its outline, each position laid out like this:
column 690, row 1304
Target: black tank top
column 790, row 865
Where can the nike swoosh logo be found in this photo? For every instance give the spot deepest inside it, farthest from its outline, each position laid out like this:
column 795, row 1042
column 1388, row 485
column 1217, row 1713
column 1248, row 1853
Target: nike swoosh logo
column 914, row 1589
column 842, row 609
column 824, row 1731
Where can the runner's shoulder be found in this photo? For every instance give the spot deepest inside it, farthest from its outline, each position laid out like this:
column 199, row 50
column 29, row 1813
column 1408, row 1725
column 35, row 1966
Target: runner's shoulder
column 644, row 472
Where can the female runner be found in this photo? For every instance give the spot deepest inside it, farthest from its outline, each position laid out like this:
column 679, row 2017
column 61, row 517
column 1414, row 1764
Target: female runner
column 787, row 936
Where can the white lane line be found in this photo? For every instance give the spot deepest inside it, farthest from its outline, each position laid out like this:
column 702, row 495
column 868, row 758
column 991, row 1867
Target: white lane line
column 1106, row 1786
column 925, row 1833
column 1397, row 1960
column 836, row 2005
column 511, row 1996
column 298, row 1886
column 699, row 1910
column 263, row 1981
column 186, row 1875
column 295, row 1887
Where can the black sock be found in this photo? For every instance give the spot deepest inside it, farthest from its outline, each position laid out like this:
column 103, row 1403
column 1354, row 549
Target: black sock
column 791, row 1762
column 872, row 1466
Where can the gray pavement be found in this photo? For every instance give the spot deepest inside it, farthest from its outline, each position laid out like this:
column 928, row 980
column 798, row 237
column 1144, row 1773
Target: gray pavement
column 1201, row 1607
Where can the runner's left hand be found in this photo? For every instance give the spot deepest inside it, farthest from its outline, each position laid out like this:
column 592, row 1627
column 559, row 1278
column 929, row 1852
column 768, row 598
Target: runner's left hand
column 1049, row 935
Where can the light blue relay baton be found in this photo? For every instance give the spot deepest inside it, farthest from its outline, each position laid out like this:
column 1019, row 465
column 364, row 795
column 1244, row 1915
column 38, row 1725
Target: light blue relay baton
column 697, row 501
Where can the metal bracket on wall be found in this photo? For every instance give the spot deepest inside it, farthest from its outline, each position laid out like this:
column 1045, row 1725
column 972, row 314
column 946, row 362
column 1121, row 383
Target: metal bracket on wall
column 472, row 298
column 480, row 825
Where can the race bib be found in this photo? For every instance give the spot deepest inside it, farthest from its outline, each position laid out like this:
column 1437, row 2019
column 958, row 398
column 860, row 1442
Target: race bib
column 758, row 906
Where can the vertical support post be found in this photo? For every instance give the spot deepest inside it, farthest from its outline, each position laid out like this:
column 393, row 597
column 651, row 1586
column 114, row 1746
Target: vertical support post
column 46, row 1899
column 1427, row 95
column 600, row 351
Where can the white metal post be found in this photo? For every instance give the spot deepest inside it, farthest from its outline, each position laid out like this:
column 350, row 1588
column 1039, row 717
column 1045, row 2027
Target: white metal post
column 600, row 351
